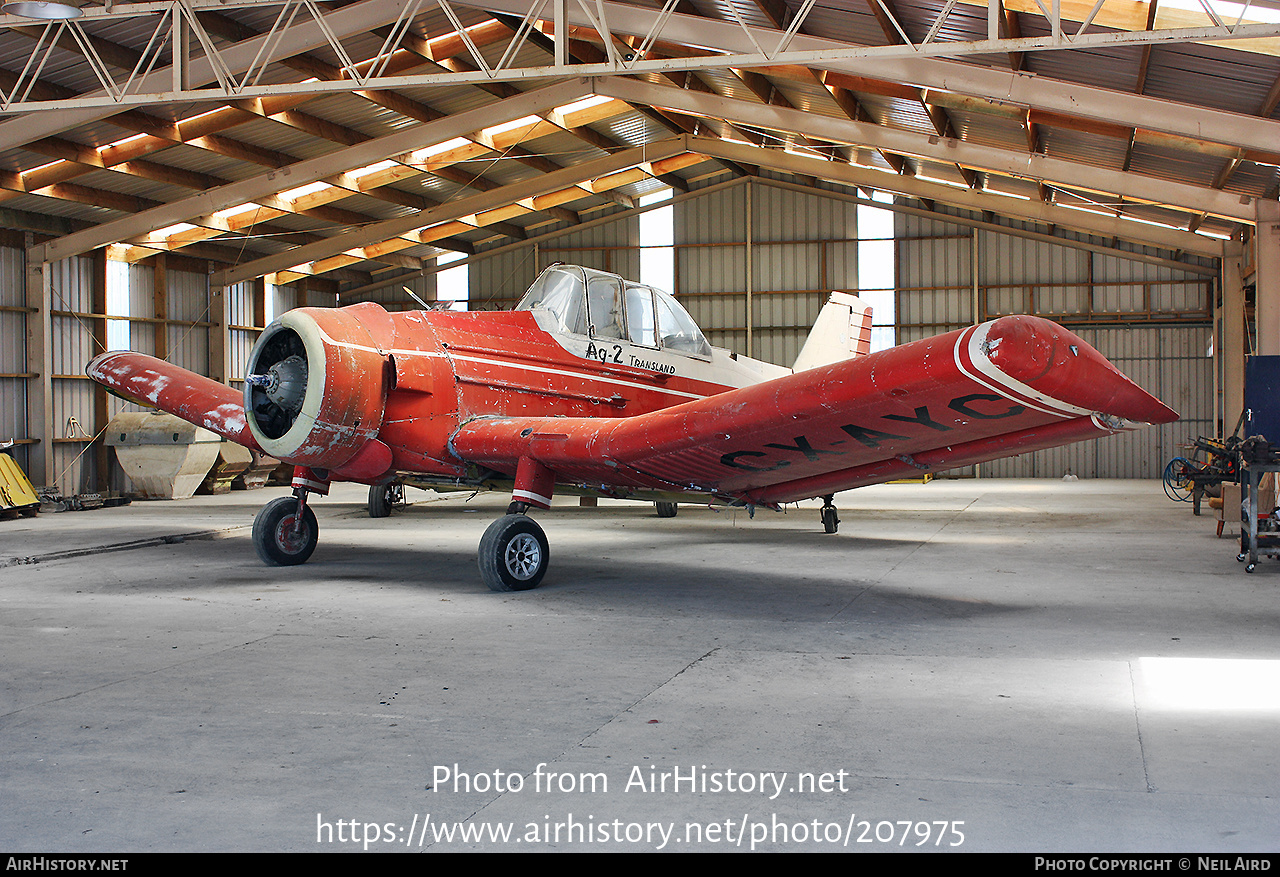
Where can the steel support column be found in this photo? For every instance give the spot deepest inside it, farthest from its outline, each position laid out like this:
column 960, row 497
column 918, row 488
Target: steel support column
column 1267, row 277
column 39, row 363
column 1233, row 340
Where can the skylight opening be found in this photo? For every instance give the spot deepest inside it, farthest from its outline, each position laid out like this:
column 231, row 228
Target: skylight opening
column 428, row 151
column 122, row 142
column 171, row 230
column 502, row 128
column 585, row 103
column 657, row 236
column 233, row 211
column 372, row 168
column 453, row 284
column 877, row 270
column 308, row 189
column 118, row 334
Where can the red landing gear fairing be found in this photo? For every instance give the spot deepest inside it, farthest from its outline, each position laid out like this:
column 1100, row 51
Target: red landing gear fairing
column 600, row 386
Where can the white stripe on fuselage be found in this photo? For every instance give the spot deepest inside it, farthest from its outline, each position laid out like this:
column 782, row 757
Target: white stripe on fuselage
column 507, row 363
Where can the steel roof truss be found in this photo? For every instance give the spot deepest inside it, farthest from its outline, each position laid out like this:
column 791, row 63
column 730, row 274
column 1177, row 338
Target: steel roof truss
column 1018, row 164
column 268, row 184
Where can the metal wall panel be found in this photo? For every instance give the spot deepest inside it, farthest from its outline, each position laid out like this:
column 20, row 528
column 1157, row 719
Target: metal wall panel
column 799, row 253
column 714, row 312
column 782, row 323
column 612, row 246
column 934, row 284
column 787, row 266
column 142, row 303
column 499, row 281
column 714, row 218
column 72, row 347
column 711, row 269
column 240, row 341
column 283, row 298
column 842, row 265
column 188, row 299
column 788, row 215
column 1082, row 289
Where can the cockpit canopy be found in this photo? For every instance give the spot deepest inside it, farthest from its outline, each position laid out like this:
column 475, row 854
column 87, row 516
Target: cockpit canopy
column 603, row 305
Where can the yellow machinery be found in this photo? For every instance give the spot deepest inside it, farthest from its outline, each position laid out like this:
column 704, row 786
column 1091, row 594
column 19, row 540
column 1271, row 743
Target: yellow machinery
column 16, row 492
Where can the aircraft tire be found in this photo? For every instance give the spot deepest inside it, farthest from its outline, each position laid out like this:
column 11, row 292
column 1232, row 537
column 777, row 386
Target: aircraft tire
column 513, row 554
column 667, row 509
column 273, row 533
column 830, row 521
column 381, row 498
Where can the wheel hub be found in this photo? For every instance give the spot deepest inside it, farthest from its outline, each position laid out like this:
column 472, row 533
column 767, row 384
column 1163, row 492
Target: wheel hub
column 523, row 556
column 290, row 538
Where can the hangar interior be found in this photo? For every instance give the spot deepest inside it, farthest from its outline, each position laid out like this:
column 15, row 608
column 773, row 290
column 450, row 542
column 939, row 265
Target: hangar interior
column 1111, row 171
column 177, row 174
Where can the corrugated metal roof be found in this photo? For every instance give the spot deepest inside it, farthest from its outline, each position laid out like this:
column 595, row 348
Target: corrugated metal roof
column 1203, row 76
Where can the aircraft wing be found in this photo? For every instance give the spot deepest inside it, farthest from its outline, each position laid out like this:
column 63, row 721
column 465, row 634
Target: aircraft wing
column 1009, row 386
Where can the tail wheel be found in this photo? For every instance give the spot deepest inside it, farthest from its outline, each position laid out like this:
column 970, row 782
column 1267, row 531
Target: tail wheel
column 383, row 497
column 667, row 509
column 830, row 520
column 513, row 554
column 276, row 538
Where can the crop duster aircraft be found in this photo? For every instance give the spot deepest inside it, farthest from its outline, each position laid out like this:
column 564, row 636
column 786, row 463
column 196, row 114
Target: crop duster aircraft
column 600, row 386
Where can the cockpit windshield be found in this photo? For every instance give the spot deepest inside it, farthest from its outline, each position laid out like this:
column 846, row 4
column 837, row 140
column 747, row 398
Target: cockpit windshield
column 595, row 303
column 559, row 290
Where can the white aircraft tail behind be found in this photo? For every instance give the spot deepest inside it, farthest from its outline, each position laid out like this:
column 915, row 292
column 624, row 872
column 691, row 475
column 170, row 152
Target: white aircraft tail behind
column 842, row 331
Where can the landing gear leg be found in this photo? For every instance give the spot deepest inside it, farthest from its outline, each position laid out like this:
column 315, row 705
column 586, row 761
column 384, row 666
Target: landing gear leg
column 513, row 551
column 830, row 520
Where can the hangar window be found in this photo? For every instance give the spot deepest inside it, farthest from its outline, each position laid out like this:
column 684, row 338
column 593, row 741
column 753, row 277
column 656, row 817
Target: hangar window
column 118, row 336
column 876, row 280
column 452, row 283
column 657, row 236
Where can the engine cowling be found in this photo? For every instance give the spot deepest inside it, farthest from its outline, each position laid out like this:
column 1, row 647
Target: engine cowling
column 315, row 387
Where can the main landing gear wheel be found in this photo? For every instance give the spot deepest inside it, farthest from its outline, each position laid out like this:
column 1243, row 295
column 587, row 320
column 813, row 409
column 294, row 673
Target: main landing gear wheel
column 382, row 497
column 666, row 509
column 277, row 539
column 513, row 554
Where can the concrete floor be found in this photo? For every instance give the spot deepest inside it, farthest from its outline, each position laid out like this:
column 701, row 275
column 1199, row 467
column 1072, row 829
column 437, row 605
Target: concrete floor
column 972, row 662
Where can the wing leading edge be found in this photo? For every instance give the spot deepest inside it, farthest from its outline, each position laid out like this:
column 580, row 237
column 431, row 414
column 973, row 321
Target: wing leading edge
column 1009, row 386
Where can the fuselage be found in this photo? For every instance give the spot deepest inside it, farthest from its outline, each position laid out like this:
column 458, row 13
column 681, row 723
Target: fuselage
column 451, row 367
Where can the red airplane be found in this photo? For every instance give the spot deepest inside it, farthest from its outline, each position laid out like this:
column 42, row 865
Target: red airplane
column 599, row 386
